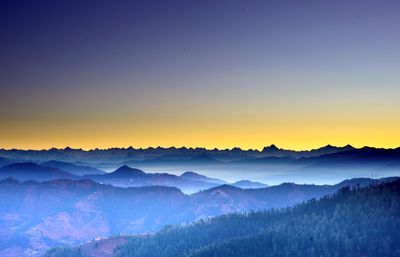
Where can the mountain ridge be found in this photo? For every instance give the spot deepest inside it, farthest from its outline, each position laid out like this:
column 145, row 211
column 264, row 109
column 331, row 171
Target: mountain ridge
column 153, row 154
column 300, row 230
column 33, row 171
column 66, row 211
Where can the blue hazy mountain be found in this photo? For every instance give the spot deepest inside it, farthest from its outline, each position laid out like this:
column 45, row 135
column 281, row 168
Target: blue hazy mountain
column 124, row 172
column 272, row 165
column 32, row 171
column 247, row 184
column 4, row 161
column 79, row 170
column 190, row 175
column 126, row 176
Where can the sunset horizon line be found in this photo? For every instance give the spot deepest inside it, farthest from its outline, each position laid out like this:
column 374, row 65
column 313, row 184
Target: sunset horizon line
column 85, row 149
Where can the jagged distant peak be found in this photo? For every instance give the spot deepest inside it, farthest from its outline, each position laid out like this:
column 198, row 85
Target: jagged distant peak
column 272, row 147
column 332, row 147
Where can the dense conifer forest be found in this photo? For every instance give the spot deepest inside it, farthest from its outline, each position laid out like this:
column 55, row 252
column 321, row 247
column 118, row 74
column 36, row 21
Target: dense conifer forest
column 358, row 221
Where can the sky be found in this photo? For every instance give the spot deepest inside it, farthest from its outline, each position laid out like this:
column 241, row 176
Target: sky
column 298, row 74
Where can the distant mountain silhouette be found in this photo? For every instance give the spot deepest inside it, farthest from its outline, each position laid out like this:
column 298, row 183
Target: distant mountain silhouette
column 267, row 160
column 274, row 151
column 366, row 158
column 132, row 156
column 271, row 148
column 126, row 176
column 190, row 175
column 125, row 172
column 203, row 158
column 32, row 171
column 79, row 170
column 247, row 184
column 329, row 149
column 323, row 165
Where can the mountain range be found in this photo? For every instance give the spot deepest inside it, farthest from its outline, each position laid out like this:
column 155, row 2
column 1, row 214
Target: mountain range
column 160, row 154
column 63, row 197
column 129, row 177
column 271, row 165
column 32, row 171
column 125, row 176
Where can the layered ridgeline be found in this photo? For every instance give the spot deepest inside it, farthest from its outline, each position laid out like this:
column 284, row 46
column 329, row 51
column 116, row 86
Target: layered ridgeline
column 154, row 154
column 35, row 216
column 352, row 222
column 124, row 176
column 272, row 165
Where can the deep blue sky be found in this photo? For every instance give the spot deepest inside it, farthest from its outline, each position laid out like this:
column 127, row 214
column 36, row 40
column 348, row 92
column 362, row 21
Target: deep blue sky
column 199, row 73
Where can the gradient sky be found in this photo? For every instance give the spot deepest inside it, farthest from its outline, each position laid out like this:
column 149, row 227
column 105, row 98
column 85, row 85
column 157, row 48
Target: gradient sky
column 299, row 74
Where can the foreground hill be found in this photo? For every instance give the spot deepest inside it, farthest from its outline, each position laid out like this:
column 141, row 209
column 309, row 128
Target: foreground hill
column 35, row 216
column 353, row 222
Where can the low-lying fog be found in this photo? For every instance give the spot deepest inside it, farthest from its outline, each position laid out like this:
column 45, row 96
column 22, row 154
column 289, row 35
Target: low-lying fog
column 271, row 174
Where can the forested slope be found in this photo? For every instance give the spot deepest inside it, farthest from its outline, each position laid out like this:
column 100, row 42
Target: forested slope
column 358, row 221
column 353, row 222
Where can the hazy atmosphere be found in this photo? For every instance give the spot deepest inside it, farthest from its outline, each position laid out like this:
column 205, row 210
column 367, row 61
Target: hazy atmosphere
column 299, row 74
column 199, row 128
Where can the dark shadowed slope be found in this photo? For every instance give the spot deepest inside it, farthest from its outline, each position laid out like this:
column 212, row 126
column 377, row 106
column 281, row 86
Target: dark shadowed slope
column 32, row 171
column 364, row 156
